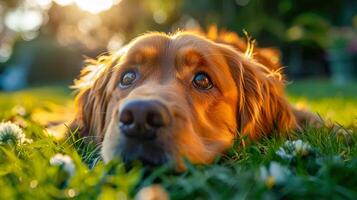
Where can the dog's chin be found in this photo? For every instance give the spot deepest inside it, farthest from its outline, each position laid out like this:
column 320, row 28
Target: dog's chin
column 150, row 154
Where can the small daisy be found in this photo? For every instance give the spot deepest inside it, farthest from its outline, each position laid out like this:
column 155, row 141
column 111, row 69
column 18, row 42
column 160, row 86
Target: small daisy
column 274, row 174
column 11, row 133
column 291, row 149
column 283, row 154
column 65, row 162
column 302, row 148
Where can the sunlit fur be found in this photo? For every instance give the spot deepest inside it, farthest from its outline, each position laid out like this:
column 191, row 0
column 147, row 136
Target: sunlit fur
column 269, row 57
column 248, row 97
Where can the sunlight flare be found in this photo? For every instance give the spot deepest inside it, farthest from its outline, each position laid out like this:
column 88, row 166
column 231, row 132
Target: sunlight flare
column 64, row 2
column 94, row 6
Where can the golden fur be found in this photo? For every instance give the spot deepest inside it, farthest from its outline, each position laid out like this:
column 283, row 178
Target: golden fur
column 248, row 97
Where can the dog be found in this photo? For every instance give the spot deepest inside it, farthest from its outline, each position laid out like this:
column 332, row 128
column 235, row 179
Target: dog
column 168, row 97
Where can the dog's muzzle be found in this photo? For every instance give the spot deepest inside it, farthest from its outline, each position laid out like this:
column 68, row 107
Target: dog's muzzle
column 141, row 123
column 141, row 119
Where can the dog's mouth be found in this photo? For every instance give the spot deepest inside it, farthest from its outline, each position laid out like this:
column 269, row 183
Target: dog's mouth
column 149, row 153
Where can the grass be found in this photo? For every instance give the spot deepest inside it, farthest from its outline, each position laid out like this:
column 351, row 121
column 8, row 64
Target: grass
column 334, row 103
column 322, row 165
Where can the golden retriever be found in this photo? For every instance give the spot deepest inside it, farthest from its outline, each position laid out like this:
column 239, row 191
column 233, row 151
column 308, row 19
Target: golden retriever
column 164, row 98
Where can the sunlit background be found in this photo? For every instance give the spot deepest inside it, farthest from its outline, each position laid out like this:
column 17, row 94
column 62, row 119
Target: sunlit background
column 45, row 41
column 43, row 45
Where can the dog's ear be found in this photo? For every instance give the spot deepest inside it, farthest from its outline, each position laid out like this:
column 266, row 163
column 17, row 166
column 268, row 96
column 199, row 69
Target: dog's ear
column 94, row 86
column 262, row 107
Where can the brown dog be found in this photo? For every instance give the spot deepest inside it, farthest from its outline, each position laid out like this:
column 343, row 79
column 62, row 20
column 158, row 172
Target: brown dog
column 168, row 97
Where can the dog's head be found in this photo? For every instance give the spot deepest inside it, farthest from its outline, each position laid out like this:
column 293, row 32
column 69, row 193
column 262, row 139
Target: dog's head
column 168, row 97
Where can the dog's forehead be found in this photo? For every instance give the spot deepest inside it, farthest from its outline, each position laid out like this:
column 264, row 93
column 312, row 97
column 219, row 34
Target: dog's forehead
column 181, row 45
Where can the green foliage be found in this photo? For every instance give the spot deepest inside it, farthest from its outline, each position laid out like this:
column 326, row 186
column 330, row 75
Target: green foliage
column 332, row 102
column 26, row 172
column 314, row 163
column 326, row 176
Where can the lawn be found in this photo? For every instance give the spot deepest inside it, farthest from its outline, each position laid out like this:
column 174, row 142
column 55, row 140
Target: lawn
column 315, row 163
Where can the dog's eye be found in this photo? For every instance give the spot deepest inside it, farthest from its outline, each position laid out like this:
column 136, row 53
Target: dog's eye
column 127, row 78
column 202, row 81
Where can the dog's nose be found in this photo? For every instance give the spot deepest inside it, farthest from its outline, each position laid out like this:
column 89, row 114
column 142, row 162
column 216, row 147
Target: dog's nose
column 142, row 118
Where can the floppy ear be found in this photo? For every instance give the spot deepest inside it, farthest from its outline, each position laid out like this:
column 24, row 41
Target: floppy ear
column 262, row 107
column 91, row 102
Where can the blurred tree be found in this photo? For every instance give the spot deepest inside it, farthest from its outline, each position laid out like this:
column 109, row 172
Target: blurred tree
column 300, row 28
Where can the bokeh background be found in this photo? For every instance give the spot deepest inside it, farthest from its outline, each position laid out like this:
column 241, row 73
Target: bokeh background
column 43, row 45
column 46, row 41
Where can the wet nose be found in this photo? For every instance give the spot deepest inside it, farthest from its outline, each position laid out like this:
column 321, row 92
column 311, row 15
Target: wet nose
column 141, row 119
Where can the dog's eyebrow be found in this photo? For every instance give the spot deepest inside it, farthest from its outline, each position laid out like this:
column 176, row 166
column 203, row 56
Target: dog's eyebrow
column 142, row 54
column 189, row 57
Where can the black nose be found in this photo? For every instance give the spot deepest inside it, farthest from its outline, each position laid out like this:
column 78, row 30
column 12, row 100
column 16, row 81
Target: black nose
column 142, row 118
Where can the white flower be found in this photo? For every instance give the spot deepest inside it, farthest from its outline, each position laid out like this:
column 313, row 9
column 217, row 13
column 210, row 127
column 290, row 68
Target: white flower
column 283, row 154
column 65, row 162
column 11, row 133
column 274, row 174
column 290, row 149
column 301, row 148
